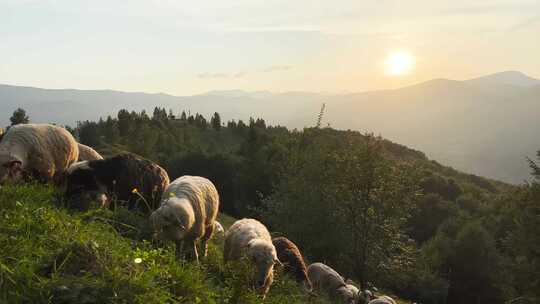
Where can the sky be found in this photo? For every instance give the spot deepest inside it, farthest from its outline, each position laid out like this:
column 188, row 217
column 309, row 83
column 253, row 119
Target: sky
column 190, row 47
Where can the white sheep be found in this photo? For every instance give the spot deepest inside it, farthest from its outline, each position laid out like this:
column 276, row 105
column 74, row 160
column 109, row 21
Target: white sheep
column 382, row 300
column 41, row 151
column 188, row 211
column 250, row 238
column 86, row 153
column 326, row 279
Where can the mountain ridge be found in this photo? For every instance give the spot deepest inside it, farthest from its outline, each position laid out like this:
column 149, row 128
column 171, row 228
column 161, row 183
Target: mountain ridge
column 500, row 78
column 475, row 126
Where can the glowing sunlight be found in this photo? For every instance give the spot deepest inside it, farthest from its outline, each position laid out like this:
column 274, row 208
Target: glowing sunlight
column 399, row 63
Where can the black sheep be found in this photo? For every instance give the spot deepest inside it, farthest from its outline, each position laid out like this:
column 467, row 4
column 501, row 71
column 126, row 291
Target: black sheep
column 124, row 178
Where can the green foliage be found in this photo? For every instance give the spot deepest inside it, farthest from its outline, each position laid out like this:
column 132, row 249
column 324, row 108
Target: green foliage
column 216, row 121
column 19, row 117
column 474, row 266
column 358, row 199
column 522, row 242
column 431, row 210
column 375, row 210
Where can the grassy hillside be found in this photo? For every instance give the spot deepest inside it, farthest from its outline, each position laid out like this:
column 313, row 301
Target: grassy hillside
column 378, row 212
column 53, row 255
column 320, row 186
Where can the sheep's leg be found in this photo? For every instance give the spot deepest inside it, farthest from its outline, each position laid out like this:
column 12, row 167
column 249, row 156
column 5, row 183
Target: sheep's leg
column 207, row 236
column 195, row 252
column 179, row 250
column 192, row 251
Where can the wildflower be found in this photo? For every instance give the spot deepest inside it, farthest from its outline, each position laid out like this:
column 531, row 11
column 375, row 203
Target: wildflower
column 137, row 260
column 134, row 191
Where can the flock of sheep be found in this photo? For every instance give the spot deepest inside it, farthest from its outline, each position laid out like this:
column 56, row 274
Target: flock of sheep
column 183, row 211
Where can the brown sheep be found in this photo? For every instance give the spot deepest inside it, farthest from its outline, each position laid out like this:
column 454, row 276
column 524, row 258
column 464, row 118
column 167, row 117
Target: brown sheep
column 293, row 262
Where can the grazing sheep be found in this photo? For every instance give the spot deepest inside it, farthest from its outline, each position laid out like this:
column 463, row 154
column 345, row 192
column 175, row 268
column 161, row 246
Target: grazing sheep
column 187, row 213
column 382, row 300
column 289, row 254
column 86, row 153
column 39, row 151
column 250, row 238
column 326, row 279
column 125, row 177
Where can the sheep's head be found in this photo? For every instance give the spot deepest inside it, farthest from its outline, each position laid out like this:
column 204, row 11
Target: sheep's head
column 263, row 254
column 171, row 221
column 82, row 187
column 218, row 228
column 349, row 293
column 10, row 167
column 306, row 284
column 364, row 296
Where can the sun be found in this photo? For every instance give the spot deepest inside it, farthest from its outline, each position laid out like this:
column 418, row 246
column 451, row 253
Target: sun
column 399, row 63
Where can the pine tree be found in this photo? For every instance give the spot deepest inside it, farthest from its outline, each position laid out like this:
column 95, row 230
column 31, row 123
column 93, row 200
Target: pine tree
column 215, row 121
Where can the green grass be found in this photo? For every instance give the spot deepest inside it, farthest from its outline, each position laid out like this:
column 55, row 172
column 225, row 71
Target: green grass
column 49, row 254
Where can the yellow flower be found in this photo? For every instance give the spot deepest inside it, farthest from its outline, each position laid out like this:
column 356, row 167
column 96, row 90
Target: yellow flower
column 134, row 190
column 172, row 194
column 137, row 260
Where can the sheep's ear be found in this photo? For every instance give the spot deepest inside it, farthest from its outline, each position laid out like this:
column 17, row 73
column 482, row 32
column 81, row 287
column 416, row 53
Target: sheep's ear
column 179, row 222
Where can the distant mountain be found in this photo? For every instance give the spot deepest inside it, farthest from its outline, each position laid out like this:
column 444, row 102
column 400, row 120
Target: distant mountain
column 488, row 132
column 486, row 126
column 506, row 78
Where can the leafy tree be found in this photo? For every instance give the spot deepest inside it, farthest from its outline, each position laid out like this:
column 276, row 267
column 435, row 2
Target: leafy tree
column 89, row 133
column 430, row 212
column 345, row 203
column 171, row 116
column 110, row 130
column 522, row 243
column 19, row 117
column 125, row 122
column 160, row 114
column 474, row 267
column 191, row 120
